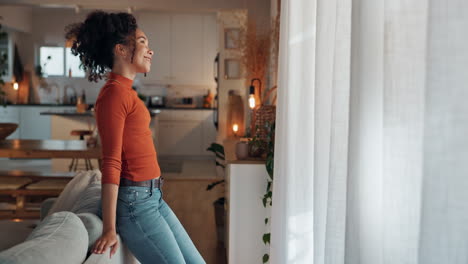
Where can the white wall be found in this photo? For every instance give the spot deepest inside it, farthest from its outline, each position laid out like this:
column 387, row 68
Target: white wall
column 16, row 17
column 229, row 19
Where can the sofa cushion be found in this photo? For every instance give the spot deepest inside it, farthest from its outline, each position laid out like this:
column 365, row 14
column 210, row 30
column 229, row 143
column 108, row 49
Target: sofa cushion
column 46, row 205
column 89, row 200
column 59, row 237
column 93, row 225
column 73, row 190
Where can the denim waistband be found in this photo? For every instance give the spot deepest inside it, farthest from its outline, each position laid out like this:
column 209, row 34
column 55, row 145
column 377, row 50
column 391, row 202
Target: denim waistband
column 157, row 182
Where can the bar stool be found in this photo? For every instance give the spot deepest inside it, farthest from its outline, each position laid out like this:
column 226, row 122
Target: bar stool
column 74, row 163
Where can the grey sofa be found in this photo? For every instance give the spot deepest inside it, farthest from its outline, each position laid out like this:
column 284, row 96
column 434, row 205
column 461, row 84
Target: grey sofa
column 66, row 235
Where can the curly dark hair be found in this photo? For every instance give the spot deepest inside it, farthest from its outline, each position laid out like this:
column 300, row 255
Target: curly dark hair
column 95, row 38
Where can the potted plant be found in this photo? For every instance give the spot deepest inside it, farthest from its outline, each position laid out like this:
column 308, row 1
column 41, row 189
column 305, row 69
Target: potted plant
column 220, row 217
column 3, row 60
column 269, row 164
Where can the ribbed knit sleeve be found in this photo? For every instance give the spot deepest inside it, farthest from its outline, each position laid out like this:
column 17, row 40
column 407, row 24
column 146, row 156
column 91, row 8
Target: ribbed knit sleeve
column 111, row 112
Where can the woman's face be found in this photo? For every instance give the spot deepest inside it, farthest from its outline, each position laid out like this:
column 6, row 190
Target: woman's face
column 143, row 54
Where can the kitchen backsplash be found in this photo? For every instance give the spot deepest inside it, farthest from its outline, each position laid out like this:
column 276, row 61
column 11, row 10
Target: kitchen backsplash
column 63, row 88
column 175, row 93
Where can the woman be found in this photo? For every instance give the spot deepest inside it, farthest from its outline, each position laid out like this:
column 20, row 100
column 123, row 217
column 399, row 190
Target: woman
column 132, row 203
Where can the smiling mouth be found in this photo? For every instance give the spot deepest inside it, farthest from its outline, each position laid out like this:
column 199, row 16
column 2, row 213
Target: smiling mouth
column 149, row 59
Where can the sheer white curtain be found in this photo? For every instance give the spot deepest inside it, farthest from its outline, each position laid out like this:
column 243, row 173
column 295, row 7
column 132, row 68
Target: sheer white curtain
column 371, row 159
column 309, row 204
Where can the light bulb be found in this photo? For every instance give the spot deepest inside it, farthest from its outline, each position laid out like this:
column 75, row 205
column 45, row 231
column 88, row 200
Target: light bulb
column 252, row 101
column 235, row 128
column 15, row 85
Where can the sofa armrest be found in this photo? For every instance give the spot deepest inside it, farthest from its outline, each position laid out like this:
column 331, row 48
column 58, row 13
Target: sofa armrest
column 46, row 205
column 121, row 256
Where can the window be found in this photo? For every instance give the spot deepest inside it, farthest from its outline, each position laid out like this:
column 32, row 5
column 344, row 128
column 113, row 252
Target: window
column 52, row 61
column 5, row 51
column 73, row 63
column 58, row 61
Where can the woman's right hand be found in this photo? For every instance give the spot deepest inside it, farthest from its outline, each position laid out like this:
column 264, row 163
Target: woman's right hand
column 107, row 239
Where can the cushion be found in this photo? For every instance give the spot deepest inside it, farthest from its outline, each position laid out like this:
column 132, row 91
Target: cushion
column 89, row 200
column 93, row 225
column 46, row 205
column 60, row 236
column 73, row 190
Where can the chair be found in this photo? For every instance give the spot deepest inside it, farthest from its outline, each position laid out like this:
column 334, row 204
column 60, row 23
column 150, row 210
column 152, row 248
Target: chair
column 74, row 163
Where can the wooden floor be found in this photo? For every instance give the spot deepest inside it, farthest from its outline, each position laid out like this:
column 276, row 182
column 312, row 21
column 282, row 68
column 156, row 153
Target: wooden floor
column 193, row 205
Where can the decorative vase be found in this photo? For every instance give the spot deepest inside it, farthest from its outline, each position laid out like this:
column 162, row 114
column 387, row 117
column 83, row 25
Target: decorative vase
column 242, row 150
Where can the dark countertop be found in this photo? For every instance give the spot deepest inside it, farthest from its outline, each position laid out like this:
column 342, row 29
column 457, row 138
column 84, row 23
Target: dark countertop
column 153, row 112
column 230, row 154
column 90, row 105
column 68, row 113
column 41, row 105
column 180, row 108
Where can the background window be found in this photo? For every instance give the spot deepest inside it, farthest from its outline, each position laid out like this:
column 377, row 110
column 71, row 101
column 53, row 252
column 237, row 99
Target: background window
column 73, row 62
column 52, row 61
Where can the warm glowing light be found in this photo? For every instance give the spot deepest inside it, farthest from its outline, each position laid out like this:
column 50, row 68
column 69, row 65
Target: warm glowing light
column 17, row 220
column 15, row 85
column 235, row 128
column 252, row 101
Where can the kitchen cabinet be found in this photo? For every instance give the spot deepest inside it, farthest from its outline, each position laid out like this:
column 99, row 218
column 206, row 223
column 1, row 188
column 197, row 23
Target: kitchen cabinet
column 185, row 133
column 179, row 138
column 187, row 43
column 157, row 28
column 209, row 132
column 31, row 124
column 185, row 46
column 210, row 47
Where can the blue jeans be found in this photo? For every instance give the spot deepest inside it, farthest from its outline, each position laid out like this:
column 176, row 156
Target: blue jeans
column 150, row 229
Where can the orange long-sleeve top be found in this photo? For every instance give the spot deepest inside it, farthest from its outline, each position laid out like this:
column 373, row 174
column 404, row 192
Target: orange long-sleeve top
column 123, row 122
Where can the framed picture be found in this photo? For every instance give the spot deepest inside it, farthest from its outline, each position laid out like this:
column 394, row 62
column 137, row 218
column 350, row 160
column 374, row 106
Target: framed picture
column 232, row 38
column 232, row 69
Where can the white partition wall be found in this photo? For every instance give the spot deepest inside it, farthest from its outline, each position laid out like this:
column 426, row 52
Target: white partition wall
column 246, row 185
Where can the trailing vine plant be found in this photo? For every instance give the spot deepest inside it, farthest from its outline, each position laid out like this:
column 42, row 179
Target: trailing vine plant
column 267, row 197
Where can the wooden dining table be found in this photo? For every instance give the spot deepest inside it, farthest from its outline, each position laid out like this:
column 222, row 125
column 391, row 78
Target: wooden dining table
column 40, row 149
column 49, row 148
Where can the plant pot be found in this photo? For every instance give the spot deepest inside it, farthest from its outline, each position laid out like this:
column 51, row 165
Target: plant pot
column 220, row 219
column 242, row 150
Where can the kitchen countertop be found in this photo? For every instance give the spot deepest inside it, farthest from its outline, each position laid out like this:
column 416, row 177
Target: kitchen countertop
column 230, row 154
column 151, row 107
column 180, row 108
column 153, row 112
column 41, row 105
